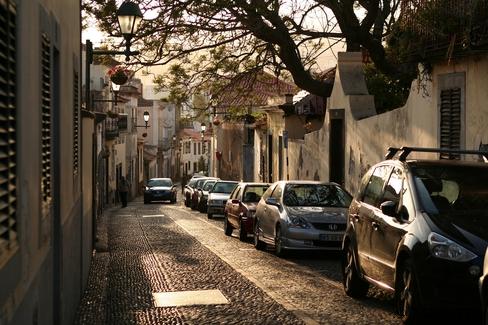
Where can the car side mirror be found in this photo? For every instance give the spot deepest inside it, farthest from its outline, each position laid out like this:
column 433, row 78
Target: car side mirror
column 273, row 201
column 389, row 208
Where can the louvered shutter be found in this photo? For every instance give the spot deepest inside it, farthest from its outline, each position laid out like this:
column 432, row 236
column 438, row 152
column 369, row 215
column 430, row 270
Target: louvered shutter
column 46, row 120
column 450, row 121
column 76, row 120
column 8, row 157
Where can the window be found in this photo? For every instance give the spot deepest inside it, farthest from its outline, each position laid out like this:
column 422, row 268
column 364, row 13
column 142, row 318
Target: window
column 268, row 192
column 374, row 188
column 8, row 116
column 76, row 119
column 450, row 122
column 46, row 123
column 194, row 148
column 277, row 193
column 195, row 167
column 199, row 148
column 393, row 189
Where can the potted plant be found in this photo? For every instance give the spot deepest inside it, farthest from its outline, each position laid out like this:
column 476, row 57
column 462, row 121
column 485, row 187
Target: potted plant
column 118, row 75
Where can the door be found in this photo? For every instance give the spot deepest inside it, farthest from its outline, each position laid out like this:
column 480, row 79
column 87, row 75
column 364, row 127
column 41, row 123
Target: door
column 272, row 214
column 365, row 220
column 233, row 207
column 388, row 231
column 270, row 158
column 336, row 146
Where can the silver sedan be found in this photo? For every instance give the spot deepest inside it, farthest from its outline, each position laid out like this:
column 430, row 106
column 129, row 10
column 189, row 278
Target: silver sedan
column 300, row 215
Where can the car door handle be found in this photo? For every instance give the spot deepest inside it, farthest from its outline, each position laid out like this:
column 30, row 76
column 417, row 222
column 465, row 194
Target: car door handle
column 376, row 225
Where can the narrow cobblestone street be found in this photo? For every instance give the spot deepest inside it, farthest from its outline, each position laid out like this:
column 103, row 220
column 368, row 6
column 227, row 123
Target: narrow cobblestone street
column 146, row 249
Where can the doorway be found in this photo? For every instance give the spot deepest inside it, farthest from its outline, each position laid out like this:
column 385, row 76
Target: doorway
column 336, row 146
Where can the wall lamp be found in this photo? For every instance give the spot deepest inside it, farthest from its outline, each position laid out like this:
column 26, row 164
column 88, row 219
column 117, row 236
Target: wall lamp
column 146, row 120
column 128, row 16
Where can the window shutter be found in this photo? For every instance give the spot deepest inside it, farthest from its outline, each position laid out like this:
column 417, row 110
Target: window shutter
column 8, row 116
column 450, row 128
column 46, row 120
column 76, row 119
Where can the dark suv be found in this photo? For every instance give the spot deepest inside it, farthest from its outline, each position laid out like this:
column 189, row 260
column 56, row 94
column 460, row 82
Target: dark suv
column 419, row 229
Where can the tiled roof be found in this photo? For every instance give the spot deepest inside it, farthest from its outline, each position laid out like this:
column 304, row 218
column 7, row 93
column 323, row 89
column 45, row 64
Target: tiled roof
column 254, row 90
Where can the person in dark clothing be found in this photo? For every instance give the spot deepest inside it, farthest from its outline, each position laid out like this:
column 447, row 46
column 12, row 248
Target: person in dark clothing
column 183, row 183
column 123, row 191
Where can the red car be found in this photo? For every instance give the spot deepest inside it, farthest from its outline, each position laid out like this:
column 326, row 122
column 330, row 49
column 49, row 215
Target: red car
column 240, row 208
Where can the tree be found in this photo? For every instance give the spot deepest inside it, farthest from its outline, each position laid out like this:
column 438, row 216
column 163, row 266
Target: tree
column 212, row 40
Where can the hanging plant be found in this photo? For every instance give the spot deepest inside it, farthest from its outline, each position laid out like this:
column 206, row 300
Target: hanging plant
column 118, row 75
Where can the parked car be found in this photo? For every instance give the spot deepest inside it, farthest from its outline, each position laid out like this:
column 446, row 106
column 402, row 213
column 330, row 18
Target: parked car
column 188, row 190
column 304, row 215
column 419, row 229
column 196, row 191
column 203, row 195
column 241, row 206
column 483, row 287
column 159, row 189
column 218, row 196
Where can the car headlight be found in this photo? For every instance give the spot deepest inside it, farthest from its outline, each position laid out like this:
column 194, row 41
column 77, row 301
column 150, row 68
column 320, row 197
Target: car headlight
column 298, row 222
column 444, row 248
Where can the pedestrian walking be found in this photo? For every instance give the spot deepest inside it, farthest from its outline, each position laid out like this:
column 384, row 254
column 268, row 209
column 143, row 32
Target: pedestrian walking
column 123, row 190
column 183, row 183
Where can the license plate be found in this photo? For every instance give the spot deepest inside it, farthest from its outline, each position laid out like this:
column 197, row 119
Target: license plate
column 327, row 237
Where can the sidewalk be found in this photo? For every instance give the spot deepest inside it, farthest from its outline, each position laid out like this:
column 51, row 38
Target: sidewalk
column 140, row 251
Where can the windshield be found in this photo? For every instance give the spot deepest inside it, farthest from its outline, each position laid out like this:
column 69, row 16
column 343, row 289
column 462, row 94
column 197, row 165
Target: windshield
column 458, row 194
column 453, row 188
column 159, row 182
column 323, row 195
column 208, row 185
column 220, row 187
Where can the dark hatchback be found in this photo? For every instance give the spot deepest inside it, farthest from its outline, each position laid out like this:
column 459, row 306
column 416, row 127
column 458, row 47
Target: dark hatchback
column 159, row 189
column 419, row 229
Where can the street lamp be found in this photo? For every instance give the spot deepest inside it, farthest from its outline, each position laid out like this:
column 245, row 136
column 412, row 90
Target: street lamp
column 129, row 16
column 204, row 127
column 146, row 117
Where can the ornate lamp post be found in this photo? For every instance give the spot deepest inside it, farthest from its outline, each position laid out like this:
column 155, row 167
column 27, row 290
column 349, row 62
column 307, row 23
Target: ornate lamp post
column 129, row 16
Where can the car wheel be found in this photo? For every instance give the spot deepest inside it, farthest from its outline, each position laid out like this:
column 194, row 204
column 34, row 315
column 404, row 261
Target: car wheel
column 242, row 232
column 258, row 244
column 279, row 250
column 354, row 286
column 406, row 294
column 227, row 227
column 173, row 200
column 209, row 215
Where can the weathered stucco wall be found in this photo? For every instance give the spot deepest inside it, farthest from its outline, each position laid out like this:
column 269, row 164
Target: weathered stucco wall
column 366, row 135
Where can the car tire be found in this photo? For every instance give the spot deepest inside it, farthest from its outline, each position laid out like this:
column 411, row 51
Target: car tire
column 279, row 250
column 227, row 227
column 406, row 294
column 242, row 232
column 209, row 215
column 173, row 200
column 258, row 244
column 354, row 286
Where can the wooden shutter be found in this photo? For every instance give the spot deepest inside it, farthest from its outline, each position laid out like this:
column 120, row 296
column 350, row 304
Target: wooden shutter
column 8, row 116
column 450, row 128
column 46, row 100
column 76, row 121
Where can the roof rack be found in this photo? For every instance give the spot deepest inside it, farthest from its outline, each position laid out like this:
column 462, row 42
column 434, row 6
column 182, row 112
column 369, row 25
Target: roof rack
column 405, row 151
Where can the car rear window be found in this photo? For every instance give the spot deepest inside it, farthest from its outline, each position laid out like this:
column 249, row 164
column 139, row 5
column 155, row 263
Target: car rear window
column 253, row 193
column 323, row 195
column 221, row 187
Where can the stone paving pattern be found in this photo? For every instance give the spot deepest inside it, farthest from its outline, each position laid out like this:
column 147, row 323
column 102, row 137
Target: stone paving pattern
column 137, row 256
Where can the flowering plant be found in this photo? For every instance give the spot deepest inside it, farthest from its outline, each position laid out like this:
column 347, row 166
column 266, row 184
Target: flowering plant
column 118, row 75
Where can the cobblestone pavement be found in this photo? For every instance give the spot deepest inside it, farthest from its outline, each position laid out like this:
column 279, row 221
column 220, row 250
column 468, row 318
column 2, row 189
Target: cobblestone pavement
column 140, row 251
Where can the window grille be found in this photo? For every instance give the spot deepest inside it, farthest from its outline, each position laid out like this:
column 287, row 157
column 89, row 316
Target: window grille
column 76, row 121
column 46, row 120
column 450, row 122
column 8, row 136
